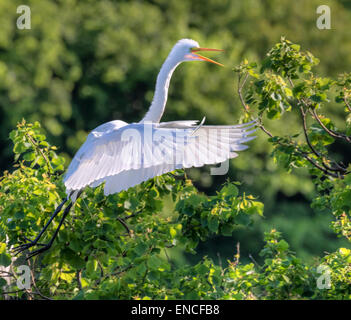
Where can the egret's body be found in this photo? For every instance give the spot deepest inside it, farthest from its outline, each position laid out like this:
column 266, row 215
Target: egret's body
column 122, row 155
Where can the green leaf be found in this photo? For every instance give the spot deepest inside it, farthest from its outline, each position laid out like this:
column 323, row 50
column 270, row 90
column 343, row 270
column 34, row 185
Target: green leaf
column 67, row 276
column 344, row 251
column 319, row 97
column 273, row 114
column 227, row 230
column 21, row 147
column 154, row 262
column 2, row 247
column 288, row 92
column 256, row 208
column 5, row 259
column 286, row 278
column 72, row 258
column 195, row 200
column 92, row 266
column 29, row 156
column 213, row 224
column 282, row 245
column 296, row 47
column 230, row 190
column 2, row 283
column 141, row 248
column 173, row 232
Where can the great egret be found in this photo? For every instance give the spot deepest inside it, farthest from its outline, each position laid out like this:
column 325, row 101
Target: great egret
column 122, row 155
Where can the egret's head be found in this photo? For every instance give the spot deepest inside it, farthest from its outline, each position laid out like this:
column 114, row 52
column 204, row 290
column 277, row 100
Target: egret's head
column 187, row 50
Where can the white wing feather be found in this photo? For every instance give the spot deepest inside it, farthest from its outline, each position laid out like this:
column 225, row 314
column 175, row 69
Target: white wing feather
column 123, row 155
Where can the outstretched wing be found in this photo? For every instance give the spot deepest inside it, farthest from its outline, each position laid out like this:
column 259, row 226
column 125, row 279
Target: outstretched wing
column 126, row 156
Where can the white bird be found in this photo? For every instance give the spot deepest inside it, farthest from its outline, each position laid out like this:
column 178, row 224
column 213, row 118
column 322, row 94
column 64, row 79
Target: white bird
column 122, row 155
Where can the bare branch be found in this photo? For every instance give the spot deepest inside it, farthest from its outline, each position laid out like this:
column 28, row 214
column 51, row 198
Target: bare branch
column 79, row 279
column 320, row 156
column 36, row 147
column 240, row 88
column 297, row 149
column 348, row 106
column 34, row 282
column 332, row 133
column 320, row 167
column 124, row 224
column 132, row 215
column 303, row 115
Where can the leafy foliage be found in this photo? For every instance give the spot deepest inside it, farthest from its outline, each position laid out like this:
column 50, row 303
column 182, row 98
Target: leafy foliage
column 115, row 246
column 287, row 69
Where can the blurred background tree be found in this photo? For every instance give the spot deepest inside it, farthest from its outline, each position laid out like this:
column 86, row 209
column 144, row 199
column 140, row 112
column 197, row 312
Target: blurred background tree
column 83, row 63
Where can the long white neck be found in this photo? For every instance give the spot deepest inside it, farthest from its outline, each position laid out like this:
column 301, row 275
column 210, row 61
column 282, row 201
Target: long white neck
column 161, row 92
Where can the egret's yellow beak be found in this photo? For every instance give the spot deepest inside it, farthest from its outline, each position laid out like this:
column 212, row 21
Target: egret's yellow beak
column 194, row 50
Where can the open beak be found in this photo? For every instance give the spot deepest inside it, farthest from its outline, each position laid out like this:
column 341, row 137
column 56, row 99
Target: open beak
column 194, row 50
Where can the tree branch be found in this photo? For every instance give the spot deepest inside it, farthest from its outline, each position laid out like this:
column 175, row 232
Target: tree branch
column 332, row 133
column 240, row 88
column 36, row 148
column 324, row 167
column 348, row 106
column 124, row 224
column 320, row 156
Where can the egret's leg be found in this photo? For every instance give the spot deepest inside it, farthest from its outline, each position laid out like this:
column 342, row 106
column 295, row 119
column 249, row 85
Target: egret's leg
column 32, row 243
column 48, row 246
